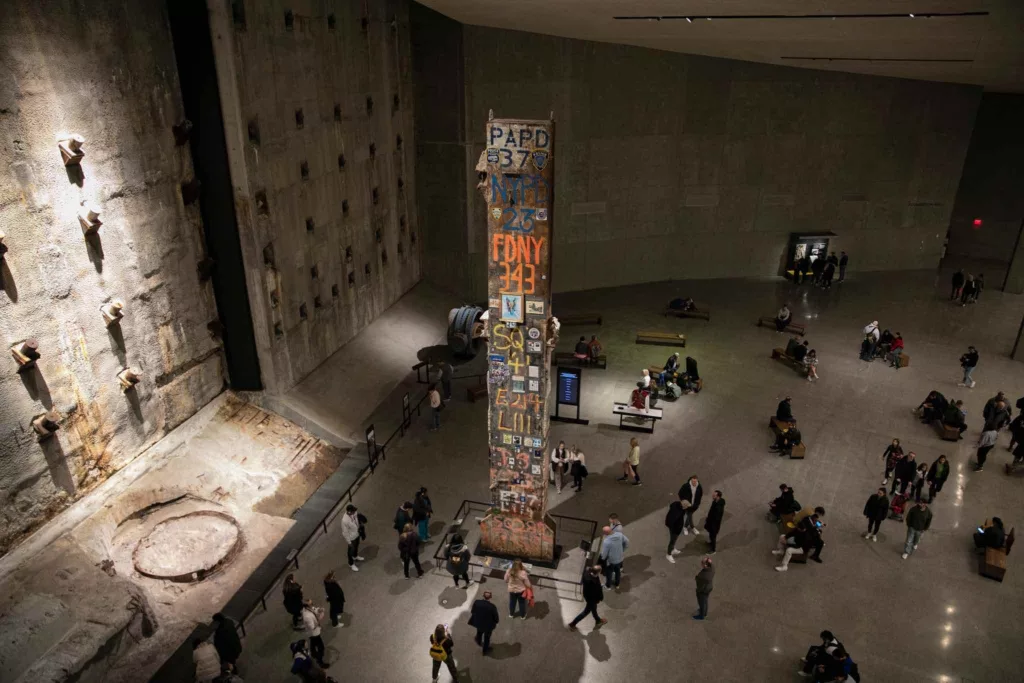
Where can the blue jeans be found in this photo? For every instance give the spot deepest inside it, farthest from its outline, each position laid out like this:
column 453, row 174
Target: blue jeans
column 913, row 538
column 437, row 417
column 967, row 374
column 515, row 599
column 610, row 570
column 423, row 528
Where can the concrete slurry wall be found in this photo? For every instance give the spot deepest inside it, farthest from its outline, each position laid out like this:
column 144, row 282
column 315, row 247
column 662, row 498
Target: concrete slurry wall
column 104, row 70
column 318, row 111
column 675, row 166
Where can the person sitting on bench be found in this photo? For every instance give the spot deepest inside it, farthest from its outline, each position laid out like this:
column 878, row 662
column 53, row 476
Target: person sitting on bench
column 582, row 351
column 594, row 348
column 785, row 441
column 954, row 416
column 791, row 345
column 783, row 317
column 884, row 344
column 801, row 540
column 671, row 368
column 933, row 407
column 991, row 536
column 784, row 412
column 800, row 351
column 783, row 504
column 682, row 304
column 640, row 397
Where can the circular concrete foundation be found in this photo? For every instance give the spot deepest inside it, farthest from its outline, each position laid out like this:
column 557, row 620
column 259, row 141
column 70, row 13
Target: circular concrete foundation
column 189, row 547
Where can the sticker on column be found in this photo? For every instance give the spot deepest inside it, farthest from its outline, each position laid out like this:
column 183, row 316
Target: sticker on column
column 535, row 469
column 517, row 440
column 534, row 371
column 541, row 215
column 534, row 307
column 512, row 308
column 533, row 332
column 518, row 384
column 534, row 385
column 493, row 303
column 533, row 347
column 496, row 212
column 540, row 159
column 506, row 438
column 492, row 156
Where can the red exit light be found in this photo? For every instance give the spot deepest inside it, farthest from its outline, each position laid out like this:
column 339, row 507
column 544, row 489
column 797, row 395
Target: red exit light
column 977, row 223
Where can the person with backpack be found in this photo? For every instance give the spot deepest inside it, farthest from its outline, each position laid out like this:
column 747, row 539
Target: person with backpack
column 593, row 595
column 457, row 557
column 335, row 598
column 876, row 510
column 311, row 623
column 675, row 520
column 403, row 517
column 441, row 645
column 409, row 549
column 292, row 592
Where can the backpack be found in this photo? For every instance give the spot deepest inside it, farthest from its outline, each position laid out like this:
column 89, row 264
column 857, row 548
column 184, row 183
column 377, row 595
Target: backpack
column 456, row 560
column 437, row 651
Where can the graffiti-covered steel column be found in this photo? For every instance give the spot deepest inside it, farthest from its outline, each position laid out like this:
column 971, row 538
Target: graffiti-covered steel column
column 517, row 180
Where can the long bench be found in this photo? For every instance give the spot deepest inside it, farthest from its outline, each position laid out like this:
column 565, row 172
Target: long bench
column 661, row 338
column 794, row 328
column 782, row 356
column 580, row 319
column 993, row 562
column 568, row 358
column 797, row 452
column 693, row 313
column 624, row 410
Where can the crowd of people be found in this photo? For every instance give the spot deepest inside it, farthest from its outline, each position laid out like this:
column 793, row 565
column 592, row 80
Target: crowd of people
column 822, row 269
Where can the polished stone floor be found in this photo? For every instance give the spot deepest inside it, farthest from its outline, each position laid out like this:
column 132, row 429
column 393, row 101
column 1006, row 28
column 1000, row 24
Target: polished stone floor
column 928, row 618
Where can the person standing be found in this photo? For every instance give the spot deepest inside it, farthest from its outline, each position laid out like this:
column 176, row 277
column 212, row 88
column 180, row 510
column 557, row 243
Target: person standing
column 968, row 292
column 705, row 582
column 904, row 474
column 937, row 475
column 871, row 335
column 446, row 379
column 919, row 519
column 441, row 645
column 593, row 594
column 409, row 549
column 483, row 616
column 986, row 442
column 968, row 362
column 692, row 493
column 311, row 621
column 843, row 261
column 457, row 557
column 577, row 468
column 675, row 520
column 979, row 284
column 828, row 273
column 919, row 481
column 518, row 582
column 559, row 465
column 403, row 517
column 713, row 523
column 226, row 640
column 631, row 466
column 875, row 510
column 958, row 284
column 292, row 591
column 335, row 598
column 435, row 407
column 206, row 660
column 613, row 550
column 422, row 510
column 892, row 455
column 350, row 531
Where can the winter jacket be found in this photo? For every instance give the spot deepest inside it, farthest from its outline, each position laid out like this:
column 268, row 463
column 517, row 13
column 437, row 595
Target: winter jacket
column 784, row 412
column 409, row 544
column 891, row 455
column 517, row 583
column 877, row 507
column 939, row 471
column 674, row 517
column 207, row 662
column 402, row 517
column 990, row 406
column 292, row 597
column 906, row 469
column 311, row 621
column 457, row 556
column 919, row 519
column 969, row 359
column 693, row 497
column 953, row 416
column 705, row 580
column 421, row 508
column 614, row 546
column 483, row 615
column 335, row 596
column 997, row 419
column 349, row 527
column 713, row 523
column 592, row 589
column 226, row 640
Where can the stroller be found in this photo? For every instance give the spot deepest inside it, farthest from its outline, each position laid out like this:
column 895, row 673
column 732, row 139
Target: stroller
column 898, row 506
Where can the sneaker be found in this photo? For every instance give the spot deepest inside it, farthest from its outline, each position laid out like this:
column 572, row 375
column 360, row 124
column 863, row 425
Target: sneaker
column 677, row 552
column 624, row 478
column 803, row 660
column 874, row 538
column 601, row 623
column 353, row 567
column 809, row 379
column 781, row 568
column 670, row 559
column 979, row 469
column 817, row 559
column 511, row 616
column 960, row 384
column 637, row 483
column 697, row 617
column 905, row 556
column 339, row 625
column 695, row 532
column 867, row 535
column 915, row 546
column 971, row 385
column 359, row 558
column 885, row 482
column 686, row 532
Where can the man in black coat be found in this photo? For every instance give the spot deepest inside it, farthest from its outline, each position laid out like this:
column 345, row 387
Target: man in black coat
column 593, row 594
column 692, row 493
column 875, row 510
column 784, row 412
column 675, row 521
column 905, row 473
column 226, row 640
column 713, row 523
column 483, row 617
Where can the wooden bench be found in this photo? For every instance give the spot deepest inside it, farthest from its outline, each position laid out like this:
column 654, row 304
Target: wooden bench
column 946, row 432
column 993, row 562
column 580, row 319
column 569, row 358
column 624, row 410
column 780, row 355
column 694, row 313
column 778, row 427
column 661, row 338
column 795, row 328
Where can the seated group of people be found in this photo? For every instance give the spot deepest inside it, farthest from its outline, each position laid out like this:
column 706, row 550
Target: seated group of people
column 783, row 317
column 828, row 661
column 803, row 538
column 800, row 351
column 885, row 345
column 587, row 351
column 678, row 380
column 937, row 407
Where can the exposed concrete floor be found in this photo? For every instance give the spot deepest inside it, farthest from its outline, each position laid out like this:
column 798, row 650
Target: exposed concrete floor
column 929, row 618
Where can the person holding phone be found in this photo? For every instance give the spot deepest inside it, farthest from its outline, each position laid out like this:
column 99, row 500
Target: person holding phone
column 441, row 645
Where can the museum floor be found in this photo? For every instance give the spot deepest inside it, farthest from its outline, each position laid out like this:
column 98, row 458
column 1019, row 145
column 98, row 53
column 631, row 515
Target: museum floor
column 928, row 618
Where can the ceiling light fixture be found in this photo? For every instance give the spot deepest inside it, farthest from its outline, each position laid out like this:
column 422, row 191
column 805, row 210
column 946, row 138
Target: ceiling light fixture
column 911, row 16
column 689, row 20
